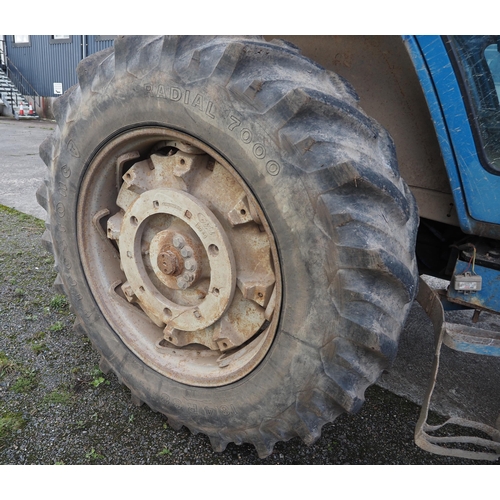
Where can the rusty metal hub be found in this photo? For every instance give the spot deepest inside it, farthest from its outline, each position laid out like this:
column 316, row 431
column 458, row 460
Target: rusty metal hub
column 196, row 255
column 188, row 215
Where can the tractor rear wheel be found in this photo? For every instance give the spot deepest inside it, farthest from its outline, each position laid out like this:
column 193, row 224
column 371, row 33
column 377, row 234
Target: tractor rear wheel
column 232, row 233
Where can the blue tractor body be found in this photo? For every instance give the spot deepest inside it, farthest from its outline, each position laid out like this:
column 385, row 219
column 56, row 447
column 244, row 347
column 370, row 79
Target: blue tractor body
column 475, row 183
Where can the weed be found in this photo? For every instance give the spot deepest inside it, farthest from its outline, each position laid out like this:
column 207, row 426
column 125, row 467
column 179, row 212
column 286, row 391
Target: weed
column 59, row 302
column 19, row 292
column 36, row 343
column 59, row 463
column 6, row 365
column 61, row 396
column 131, row 419
column 93, row 455
column 56, row 327
column 10, row 422
column 38, row 348
column 98, row 381
column 331, row 446
column 98, row 377
column 165, row 451
column 26, row 382
column 38, row 336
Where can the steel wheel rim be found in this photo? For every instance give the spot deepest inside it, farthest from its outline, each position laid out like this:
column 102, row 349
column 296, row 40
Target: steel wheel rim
column 144, row 302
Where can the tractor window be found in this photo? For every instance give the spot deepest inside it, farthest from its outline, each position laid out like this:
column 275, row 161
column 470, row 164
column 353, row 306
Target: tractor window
column 492, row 55
column 478, row 60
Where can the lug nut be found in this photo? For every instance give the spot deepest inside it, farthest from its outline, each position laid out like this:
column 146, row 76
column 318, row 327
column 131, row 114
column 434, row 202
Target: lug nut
column 187, row 252
column 182, row 283
column 190, row 265
column 178, row 241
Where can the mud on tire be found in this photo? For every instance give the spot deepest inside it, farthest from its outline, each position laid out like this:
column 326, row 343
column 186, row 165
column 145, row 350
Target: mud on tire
column 320, row 181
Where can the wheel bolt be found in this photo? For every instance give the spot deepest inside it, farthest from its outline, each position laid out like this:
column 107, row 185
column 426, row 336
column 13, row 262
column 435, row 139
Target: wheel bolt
column 178, row 241
column 182, row 283
column 186, row 252
column 190, row 264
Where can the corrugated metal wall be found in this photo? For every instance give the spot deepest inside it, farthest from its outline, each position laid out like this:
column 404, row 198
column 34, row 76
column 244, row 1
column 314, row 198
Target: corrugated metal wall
column 44, row 61
column 95, row 43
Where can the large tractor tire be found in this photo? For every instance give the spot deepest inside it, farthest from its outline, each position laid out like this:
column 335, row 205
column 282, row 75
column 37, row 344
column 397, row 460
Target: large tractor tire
column 232, row 232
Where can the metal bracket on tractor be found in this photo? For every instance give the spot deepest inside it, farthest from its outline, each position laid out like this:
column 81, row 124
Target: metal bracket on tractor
column 465, row 339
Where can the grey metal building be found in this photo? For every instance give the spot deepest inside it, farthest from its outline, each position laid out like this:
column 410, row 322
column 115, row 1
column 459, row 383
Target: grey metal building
column 43, row 67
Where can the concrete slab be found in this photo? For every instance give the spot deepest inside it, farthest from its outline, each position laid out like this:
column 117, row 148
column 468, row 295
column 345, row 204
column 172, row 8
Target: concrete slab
column 468, row 384
column 21, row 169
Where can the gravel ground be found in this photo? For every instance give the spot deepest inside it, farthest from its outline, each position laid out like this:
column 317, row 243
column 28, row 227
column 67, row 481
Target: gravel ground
column 56, row 407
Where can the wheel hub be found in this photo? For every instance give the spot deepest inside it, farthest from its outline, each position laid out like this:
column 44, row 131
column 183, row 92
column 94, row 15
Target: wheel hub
column 197, row 261
column 202, row 233
column 178, row 258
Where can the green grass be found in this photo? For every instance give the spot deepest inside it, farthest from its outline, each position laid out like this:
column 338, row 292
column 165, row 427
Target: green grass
column 59, row 303
column 56, row 327
column 92, row 455
column 22, row 217
column 37, row 343
column 26, row 382
column 6, row 365
column 59, row 396
column 38, row 336
column 38, row 348
column 165, row 451
column 9, row 423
